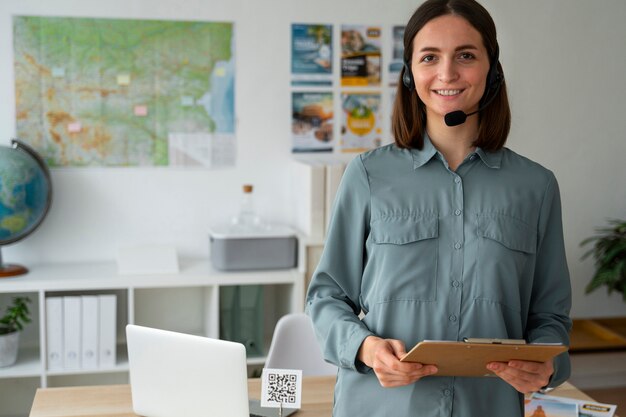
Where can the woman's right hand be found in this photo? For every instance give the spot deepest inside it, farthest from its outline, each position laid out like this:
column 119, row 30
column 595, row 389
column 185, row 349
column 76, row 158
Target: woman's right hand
column 383, row 356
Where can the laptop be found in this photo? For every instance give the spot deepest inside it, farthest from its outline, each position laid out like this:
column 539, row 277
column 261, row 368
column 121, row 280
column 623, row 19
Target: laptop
column 181, row 375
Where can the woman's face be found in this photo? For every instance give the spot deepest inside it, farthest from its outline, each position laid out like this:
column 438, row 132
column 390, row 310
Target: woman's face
column 450, row 66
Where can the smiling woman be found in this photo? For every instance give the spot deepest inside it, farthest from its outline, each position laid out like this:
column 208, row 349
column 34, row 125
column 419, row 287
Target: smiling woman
column 443, row 235
column 449, row 71
column 469, row 33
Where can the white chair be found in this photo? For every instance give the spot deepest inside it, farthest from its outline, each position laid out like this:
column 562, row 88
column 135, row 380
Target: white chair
column 294, row 346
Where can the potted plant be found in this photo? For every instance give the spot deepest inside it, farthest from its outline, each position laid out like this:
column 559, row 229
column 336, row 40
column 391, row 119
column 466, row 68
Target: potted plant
column 13, row 321
column 609, row 252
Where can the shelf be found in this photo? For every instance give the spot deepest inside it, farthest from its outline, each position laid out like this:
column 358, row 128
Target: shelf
column 598, row 334
column 120, row 366
column 256, row 360
column 28, row 364
column 187, row 302
column 102, row 276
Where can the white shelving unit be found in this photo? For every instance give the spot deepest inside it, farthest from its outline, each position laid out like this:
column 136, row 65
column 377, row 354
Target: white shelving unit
column 187, row 302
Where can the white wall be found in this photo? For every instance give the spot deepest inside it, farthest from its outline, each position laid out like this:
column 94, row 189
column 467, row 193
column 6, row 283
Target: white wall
column 564, row 62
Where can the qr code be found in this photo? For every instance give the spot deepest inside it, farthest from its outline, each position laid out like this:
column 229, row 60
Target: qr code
column 282, row 388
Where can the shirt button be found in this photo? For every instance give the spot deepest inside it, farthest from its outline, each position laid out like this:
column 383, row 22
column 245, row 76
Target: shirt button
column 472, row 157
column 457, row 180
column 457, row 212
column 452, row 318
column 447, row 392
column 456, row 284
column 457, row 245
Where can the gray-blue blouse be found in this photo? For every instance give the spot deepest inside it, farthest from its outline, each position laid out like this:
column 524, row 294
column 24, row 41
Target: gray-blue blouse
column 430, row 253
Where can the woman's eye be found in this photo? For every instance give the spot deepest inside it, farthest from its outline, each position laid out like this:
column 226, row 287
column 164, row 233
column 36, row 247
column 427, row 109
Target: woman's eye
column 428, row 58
column 466, row 56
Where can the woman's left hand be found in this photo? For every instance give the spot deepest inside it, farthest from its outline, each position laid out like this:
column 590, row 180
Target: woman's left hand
column 524, row 376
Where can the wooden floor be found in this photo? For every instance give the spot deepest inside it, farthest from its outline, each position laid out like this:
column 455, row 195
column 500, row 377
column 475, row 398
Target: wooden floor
column 615, row 396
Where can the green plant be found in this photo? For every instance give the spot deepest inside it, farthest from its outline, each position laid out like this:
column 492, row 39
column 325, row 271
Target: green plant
column 16, row 316
column 609, row 252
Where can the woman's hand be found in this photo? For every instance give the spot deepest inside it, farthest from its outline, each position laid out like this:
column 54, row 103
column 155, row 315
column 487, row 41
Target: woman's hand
column 383, row 356
column 524, row 376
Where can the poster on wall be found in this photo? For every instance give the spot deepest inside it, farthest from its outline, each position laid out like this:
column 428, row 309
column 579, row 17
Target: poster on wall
column 360, row 55
column 311, row 55
column 397, row 54
column 122, row 92
column 312, row 121
column 360, row 122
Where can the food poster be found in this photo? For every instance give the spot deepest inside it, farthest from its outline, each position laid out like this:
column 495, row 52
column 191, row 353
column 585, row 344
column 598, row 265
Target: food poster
column 397, row 54
column 311, row 55
column 312, row 121
column 360, row 55
column 360, row 122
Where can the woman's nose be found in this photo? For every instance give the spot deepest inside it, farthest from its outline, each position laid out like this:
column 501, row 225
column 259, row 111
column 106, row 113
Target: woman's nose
column 447, row 71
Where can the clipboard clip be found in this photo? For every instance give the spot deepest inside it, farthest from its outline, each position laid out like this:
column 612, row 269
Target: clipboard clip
column 494, row 341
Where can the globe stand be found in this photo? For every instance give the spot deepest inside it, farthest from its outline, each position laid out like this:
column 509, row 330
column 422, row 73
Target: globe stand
column 10, row 270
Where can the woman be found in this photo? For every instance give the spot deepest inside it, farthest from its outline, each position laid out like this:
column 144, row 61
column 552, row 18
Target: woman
column 443, row 235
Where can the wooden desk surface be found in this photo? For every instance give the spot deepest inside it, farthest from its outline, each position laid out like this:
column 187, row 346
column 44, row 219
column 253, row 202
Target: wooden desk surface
column 115, row 400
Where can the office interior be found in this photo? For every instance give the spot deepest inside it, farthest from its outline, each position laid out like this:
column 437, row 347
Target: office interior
column 563, row 62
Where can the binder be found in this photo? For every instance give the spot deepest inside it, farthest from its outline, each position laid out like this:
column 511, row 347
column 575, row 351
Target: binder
column 54, row 332
column 71, row 332
column 471, row 358
column 107, row 336
column 90, row 330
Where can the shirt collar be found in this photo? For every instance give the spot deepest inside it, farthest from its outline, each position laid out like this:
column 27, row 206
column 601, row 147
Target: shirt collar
column 491, row 159
column 421, row 157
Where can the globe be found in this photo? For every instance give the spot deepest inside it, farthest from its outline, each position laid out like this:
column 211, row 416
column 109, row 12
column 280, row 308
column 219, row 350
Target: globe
column 25, row 197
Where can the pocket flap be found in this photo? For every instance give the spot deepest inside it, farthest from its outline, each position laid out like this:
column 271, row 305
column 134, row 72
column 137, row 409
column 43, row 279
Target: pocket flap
column 509, row 231
column 402, row 230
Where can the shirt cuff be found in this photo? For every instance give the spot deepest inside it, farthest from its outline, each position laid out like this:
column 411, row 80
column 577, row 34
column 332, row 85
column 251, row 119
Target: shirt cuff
column 351, row 350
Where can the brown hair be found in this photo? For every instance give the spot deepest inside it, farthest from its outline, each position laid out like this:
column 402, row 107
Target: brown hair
column 409, row 113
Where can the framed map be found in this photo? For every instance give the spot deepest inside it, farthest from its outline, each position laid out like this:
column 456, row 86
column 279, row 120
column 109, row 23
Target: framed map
column 121, row 92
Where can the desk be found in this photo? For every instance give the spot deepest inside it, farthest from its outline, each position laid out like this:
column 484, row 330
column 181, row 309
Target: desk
column 115, row 400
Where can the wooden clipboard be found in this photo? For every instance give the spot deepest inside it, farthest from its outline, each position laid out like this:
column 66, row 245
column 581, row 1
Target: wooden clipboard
column 470, row 358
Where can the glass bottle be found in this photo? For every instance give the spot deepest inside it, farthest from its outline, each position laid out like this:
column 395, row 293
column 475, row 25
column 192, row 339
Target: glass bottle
column 247, row 219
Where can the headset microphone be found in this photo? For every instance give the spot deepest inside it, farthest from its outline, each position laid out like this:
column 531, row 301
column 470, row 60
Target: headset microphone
column 457, row 117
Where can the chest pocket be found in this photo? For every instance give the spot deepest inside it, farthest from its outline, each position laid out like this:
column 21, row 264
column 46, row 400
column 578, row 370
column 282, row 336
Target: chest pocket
column 506, row 253
column 402, row 262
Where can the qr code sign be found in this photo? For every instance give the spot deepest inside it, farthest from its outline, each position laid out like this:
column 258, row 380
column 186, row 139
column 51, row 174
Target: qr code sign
column 281, row 387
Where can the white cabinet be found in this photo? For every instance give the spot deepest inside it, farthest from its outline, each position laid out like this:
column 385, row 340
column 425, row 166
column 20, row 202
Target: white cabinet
column 185, row 302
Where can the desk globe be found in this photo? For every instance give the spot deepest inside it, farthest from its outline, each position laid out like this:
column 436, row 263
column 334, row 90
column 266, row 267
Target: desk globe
column 25, row 197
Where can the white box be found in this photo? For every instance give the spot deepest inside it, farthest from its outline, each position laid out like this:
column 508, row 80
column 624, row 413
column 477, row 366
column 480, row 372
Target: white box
column 147, row 259
column 273, row 247
column 308, row 191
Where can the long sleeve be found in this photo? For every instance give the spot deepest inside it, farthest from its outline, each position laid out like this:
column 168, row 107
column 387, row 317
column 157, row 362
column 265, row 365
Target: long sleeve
column 333, row 298
column 548, row 319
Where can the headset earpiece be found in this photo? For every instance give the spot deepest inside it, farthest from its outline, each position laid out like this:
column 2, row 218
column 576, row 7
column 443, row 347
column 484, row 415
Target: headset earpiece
column 494, row 78
column 407, row 77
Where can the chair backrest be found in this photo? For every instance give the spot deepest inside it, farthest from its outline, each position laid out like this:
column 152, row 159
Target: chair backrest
column 294, row 346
